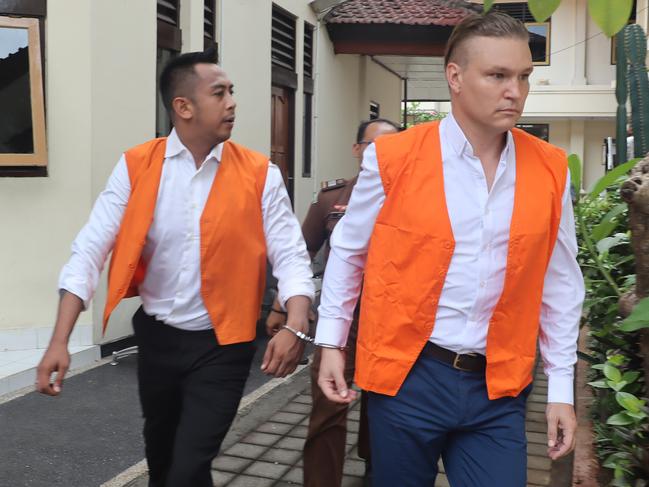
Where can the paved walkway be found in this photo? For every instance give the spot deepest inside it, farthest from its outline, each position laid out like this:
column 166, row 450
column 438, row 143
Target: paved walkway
column 270, row 453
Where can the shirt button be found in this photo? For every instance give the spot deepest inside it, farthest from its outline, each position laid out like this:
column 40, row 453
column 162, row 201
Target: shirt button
column 483, row 284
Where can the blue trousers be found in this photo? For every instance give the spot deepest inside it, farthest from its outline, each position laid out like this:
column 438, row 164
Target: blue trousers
column 442, row 411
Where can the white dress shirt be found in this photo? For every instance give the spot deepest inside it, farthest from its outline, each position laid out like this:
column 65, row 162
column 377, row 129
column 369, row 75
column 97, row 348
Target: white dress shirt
column 480, row 220
column 171, row 288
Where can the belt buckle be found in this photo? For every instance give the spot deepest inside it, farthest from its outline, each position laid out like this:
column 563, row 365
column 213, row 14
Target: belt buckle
column 456, row 363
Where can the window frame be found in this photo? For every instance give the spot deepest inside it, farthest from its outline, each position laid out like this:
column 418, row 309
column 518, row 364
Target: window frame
column 38, row 158
column 546, row 62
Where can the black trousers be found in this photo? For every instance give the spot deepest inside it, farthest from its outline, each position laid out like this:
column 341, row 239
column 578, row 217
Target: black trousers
column 190, row 388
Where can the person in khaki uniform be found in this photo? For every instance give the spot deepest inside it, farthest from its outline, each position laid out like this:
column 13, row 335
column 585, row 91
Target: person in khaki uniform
column 324, row 450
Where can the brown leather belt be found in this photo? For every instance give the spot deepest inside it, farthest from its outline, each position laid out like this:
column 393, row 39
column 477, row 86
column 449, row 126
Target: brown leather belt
column 469, row 362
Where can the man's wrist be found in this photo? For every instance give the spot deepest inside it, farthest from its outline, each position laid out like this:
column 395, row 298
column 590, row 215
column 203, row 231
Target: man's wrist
column 560, row 389
column 298, row 333
column 329, row 346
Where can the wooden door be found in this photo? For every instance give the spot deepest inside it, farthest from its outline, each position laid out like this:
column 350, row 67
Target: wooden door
column 281, row 139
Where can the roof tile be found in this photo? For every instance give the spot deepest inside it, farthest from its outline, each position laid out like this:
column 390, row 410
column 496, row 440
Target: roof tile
column 409, row 12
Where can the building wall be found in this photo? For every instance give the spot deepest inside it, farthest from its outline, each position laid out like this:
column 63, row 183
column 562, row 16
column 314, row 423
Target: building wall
column 344, row 86
column 100, row 100
column 95, row 80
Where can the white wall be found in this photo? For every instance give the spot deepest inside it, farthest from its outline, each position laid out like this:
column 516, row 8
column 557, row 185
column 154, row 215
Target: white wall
column 123, row 84
column 100, row 95
column 99, row 101
column 40, row 215
column 600, row 71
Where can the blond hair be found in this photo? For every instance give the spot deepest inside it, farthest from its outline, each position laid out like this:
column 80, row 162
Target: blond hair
column 492, row 24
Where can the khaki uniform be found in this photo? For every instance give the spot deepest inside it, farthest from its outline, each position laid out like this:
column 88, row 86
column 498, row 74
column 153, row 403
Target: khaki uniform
column 324, row 449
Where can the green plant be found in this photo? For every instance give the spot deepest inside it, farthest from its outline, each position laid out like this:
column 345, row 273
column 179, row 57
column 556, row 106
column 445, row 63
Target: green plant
column 635, row 47
column 416, row 115
column 620, row 413
column 621, row 70
column 610, row 15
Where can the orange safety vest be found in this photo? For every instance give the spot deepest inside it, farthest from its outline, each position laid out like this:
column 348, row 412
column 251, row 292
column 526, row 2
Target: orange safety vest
column 232, row 242
column 411, row 248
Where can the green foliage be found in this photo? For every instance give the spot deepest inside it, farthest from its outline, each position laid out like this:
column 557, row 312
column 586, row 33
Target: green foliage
column 416, row 115
column 613, row 176
column 542, row 9
column 620, row 413
column 639, row 318
column 610, row 15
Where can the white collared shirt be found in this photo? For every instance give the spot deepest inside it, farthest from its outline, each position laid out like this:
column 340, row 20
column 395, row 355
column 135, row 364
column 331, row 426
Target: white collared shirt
column 480, row 220
column 171, row 288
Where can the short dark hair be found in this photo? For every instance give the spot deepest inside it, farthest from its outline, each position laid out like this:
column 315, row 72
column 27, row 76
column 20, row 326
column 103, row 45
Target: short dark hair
column 179, row 72
column 491, row 24
column 360, row 133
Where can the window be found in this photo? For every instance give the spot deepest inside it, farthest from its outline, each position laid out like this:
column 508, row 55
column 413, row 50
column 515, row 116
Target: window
column 283, row 39
column 308, row 50
column 539, row 42
column 375, row 110
column 22, row 117
column 209, row 24
column 307, row 135
column 539, row 31
column 169, row 43
column 540, row 130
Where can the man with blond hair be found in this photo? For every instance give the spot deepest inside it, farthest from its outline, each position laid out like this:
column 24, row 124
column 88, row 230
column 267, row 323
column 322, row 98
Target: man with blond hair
column 464, row 232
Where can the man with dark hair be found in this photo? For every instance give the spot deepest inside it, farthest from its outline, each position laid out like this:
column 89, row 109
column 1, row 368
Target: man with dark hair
column 462, row 232
column 324, row 449
column 190, row 219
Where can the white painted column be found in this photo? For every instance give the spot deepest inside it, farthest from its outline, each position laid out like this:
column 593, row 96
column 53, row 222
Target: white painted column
column 580, row 15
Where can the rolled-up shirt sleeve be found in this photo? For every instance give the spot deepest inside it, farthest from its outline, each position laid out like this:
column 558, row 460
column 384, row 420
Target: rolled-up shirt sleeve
column 563, row 296
column 349, row 243
column 94, row 242
column 284, row 242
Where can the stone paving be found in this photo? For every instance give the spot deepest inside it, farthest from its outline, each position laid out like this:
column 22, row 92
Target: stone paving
column 271, row 454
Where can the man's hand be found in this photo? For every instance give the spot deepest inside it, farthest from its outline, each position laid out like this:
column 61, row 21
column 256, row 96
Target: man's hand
column 282, row 354
column 332, row 376
column 275, row 320
column 562, row 425
column 285, row 349
column 56, row 359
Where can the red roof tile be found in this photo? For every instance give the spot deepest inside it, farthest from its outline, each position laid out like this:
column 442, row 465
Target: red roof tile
column 409, row 12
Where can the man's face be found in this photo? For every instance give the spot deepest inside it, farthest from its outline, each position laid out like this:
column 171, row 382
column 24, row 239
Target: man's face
column 372, row 131
column 489, row 81
column 213, row 102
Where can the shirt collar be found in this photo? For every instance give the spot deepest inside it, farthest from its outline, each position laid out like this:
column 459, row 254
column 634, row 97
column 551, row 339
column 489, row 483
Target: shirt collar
column 175, row 147
column 460, row 144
